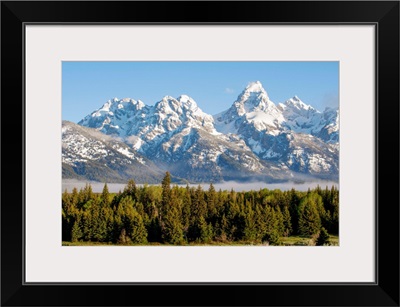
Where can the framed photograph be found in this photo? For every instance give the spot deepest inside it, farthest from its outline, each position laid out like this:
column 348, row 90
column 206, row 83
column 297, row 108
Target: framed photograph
column 240, row 153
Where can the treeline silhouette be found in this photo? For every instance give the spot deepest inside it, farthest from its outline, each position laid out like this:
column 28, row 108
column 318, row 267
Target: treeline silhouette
column 177, row 215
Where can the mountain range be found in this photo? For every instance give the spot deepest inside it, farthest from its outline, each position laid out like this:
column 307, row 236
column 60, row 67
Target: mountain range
column 255, row 139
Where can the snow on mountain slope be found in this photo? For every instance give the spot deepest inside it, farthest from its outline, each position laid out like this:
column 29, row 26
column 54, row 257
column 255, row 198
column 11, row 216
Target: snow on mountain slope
column 254, row 138
column 303, row 118
column 116, row 116
column 201, row 156
column 177, row 136
column 275, row 133
column 85, row 144
column 129, row 117
column 96, row 156
column 254, row 107
column 330, row 131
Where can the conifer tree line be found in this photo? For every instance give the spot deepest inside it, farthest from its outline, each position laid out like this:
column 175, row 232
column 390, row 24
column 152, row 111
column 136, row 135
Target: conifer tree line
column 175, row 215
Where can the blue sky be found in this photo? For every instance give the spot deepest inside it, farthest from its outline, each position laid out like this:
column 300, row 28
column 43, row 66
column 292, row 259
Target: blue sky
column 86, row 86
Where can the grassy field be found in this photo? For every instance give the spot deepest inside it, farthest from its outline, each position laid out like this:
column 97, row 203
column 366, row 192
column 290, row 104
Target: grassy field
column 304, row 241
column 285, row 241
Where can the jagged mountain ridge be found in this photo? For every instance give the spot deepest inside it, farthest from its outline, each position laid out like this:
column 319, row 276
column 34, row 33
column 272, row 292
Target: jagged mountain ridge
column 253, row 139
column 291, row 133
column 92, row 155
column 253, row 107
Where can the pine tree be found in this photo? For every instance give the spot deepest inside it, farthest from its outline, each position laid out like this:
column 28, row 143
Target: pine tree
column 249, row 232
column 87, row 193
column 287, row 221
column 206, row 231
column 105, row 196
column 280, row 222
column 132, row 221
column 108, row 214
column 166, row 192
column 211, row 203
column 76, row 232
column 260, row 223
column 66, row 228
column 231, row 211
column 186, row 205
column 66, row 200
column 74, row 199
column 136, row 228
column 118, row 220
column 323, row 238
column 199, row 206
column 309, row 219
column 224, row 229
column 294, row 210
column 87, row 226
column 272, row 233
column 131, row 190
column 99, row 223
column 198, row 212
column 334, row 200
column 173, row 231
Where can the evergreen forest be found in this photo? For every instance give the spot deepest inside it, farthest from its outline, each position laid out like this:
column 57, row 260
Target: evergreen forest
column 171, row 215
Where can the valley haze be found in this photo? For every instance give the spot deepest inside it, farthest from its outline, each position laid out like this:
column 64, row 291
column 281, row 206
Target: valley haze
column 97, row 187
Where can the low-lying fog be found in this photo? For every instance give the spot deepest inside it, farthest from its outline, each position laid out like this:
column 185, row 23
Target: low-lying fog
column 97, row 187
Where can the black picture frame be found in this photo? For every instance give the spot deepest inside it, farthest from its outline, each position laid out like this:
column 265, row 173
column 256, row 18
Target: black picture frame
column 383, row 14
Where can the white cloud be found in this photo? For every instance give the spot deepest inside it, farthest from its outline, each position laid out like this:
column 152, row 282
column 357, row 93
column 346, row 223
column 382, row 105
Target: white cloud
column 229, row 90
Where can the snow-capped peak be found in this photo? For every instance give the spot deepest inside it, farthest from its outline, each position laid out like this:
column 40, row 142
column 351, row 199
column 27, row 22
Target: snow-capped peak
column 255, row 87
column 251, row 107
column 140, row 104
column 254, row 97
column 253, row 91
column 296, row 102
column 116, row 103
column 169, row 103
column 184, row 98
column 165, row 102
column 188, row 102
